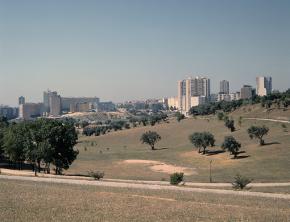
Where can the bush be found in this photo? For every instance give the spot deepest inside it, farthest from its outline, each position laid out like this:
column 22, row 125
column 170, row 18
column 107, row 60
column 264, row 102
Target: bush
column 241, row 182
column 176, row 178
column 220, row 115
column 284, row 127
column 179, row 116
column 97, row 175
column 230, row 124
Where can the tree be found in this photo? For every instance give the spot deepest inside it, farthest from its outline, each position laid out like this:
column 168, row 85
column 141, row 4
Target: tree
column 220, row 115
column 62, row 138
column 258, row 132
column 202, row 140
column 241, row 182
column 15, row 140
column 230, row 124
column 230, row 144
column 240, row 121
column 150, row 138
column 3, row 125
column 179, row 116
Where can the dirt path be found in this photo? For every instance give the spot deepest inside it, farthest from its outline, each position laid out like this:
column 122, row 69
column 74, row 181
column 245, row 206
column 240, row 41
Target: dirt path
column 191, row 184
column 271, row 120
column 145, row 186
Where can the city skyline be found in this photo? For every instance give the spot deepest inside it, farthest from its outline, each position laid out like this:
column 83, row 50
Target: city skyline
column 127, row 50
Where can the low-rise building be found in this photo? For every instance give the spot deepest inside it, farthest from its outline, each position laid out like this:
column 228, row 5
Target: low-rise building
column 8, row 112
column 172, row 102
column 30, row 110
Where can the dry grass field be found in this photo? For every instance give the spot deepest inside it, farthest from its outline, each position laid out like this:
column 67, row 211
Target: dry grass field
column 30, row 201
column 121, row 155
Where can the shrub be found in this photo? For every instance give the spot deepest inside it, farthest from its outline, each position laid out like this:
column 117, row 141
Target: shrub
column 220, row 115
column 284, row 127
column 241, row 182
column 179, row 116
column 97, row 175
column 230, row 124
column 176, row 178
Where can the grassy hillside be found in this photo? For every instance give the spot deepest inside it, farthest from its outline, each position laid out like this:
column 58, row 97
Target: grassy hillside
column 109, row 153
column 256, row 111
column 30, row 201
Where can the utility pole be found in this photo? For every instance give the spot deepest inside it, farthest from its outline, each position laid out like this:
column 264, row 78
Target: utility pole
column 210, row 176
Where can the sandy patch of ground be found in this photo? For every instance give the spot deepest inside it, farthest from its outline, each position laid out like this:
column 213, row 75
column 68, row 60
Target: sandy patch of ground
column 221, row 159
column 161, row 167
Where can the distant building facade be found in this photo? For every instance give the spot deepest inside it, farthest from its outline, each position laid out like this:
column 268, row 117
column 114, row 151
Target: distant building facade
column 247, row 92
column 54, row 104
column 223, row 97
column 264, row 85
column 106, row 107
column 51, row 103
column 192, row 87
column 71, row 102
column 172, row 102
column 21, row 100
column 224, row 87
column 29, row 111
column 8, row 112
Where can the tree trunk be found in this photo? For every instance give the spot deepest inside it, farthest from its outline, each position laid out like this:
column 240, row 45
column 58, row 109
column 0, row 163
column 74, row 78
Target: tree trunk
column 204, row 150
column 262, row 142
column 38, row 165
column 152, row 147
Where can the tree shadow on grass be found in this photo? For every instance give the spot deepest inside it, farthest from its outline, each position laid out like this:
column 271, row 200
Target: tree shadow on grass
column 214, row 152
column 241, row 157
column 163, row 148
column 271, row 143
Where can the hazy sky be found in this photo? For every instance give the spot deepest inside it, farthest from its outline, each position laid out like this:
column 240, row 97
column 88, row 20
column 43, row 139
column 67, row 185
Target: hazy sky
column 120, row 50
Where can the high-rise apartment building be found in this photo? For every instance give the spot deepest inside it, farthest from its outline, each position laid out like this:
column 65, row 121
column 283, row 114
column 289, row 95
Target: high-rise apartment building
column 264, row 85
column 54, row 104
column 224, row 87
column 192, row 87
column 247, row 92
column 46, row 101
column 51, row 103
column 21, row 100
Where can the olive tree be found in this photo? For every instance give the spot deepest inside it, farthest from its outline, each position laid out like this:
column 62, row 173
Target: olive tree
column 232, row 145
column 230, row 124
column 202, row 140
column 258, row 132
column 150, row 138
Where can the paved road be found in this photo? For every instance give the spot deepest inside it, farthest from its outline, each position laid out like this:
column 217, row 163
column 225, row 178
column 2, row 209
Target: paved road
column 145, row 186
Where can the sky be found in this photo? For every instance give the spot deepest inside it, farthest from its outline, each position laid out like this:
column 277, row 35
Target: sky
column 135, row 49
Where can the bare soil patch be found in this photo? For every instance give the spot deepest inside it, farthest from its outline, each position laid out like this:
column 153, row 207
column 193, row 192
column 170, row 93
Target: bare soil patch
column 162, row 167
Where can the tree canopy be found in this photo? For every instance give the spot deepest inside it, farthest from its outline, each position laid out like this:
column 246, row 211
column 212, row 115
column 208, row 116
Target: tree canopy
column 258, row 132
column 202, row 140
column 150, row 138
column 232, row 145
column 42, row 141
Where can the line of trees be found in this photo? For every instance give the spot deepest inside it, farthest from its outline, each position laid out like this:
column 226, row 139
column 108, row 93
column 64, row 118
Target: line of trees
column 41, row 142
column 116, row 125
column 280, row 99
column 203, row 140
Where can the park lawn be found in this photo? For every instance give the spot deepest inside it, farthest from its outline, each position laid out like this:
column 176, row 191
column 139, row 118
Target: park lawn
column 30, row 201
column 107, row 153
